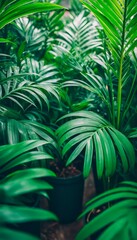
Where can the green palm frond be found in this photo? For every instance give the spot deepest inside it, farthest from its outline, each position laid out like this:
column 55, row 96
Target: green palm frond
column 30, row 93
column 79, row 37
column 119, row 219
column 16, row 9
column 14, row 185
column 76, row 7
column 89, row 131
column 14, row 131
column 29, row 41
column 40, row 73
column 119, row 21
column 32, row 36
column 49, row 73
column 93, row 84
column 9, row 153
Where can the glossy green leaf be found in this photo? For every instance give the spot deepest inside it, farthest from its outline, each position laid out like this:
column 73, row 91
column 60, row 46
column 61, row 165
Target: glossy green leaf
column 76, row 152
column 14, row 187
column 117, row 211
column 15, row 214
column 26, row 158
column 30, row 173
column 88, row 157
column 9, row 152
column 99, row 155
column 122, row 210
column 20, row 9
column 12, row 234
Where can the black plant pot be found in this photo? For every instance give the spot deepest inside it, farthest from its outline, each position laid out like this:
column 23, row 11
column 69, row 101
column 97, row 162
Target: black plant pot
column 67, row 197
column 32, row 228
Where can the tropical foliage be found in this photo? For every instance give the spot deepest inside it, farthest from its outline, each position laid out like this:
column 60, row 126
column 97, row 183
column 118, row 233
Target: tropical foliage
column 68, row 89
column 25, row 87
column 119, row 219
column 107, row 140
column 20, row 96
column 18, row 184
column 15, row 9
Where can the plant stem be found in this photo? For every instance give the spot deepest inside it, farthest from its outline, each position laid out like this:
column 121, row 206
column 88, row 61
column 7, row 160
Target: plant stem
column 131, row 95
column 119, row 96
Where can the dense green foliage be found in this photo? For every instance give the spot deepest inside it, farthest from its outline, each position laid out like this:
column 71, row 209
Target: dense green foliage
column 68, row 84
column 107, row 141
column 18, row 185
column 119, row 219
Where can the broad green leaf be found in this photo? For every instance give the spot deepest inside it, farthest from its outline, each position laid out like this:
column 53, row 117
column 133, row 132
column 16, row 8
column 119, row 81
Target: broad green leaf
column 29, row 174
column 4, row 40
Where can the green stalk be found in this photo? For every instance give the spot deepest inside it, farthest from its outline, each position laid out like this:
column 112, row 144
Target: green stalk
column 119, row 97
column 111, row 99
column 130, row 97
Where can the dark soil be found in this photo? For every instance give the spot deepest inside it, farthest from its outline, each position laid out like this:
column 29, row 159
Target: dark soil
column 63, row 171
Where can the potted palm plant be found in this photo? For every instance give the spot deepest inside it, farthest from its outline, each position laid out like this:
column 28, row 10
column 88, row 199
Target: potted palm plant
column 66, row 197
column 22, row 95
column 13, row 99
column 106, row 137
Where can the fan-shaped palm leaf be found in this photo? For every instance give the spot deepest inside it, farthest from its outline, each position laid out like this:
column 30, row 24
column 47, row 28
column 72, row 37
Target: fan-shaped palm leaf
column 90, row 131
column 25, row 93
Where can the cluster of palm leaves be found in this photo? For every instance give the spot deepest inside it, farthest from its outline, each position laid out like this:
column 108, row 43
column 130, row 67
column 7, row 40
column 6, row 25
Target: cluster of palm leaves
column 18, row 184
column 109, row 138
column 118, row 221
column 75, row 63
column 105, row 137
column 20, row 96
column 27, row 86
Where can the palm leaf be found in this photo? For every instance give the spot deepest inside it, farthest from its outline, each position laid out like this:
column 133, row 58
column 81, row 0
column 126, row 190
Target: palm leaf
column 118, row 20
column 29, row 93
column 12, row 234
column 14, row 185
column 90, row 130
column 120, row 216
column 11, row 152
column 17, row 9
column 14, row 214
